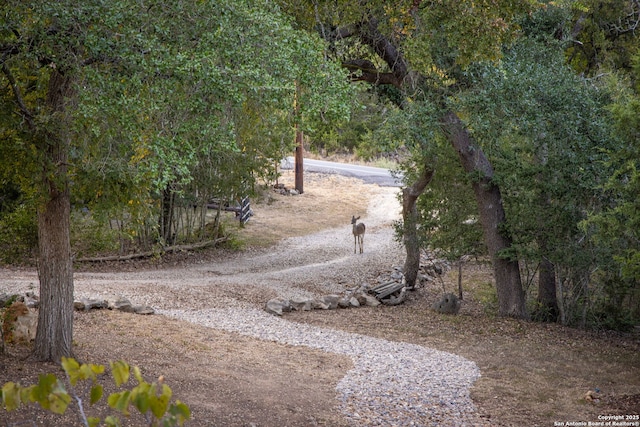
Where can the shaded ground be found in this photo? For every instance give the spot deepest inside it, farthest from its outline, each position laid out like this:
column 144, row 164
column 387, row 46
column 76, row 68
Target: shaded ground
column 532, row 374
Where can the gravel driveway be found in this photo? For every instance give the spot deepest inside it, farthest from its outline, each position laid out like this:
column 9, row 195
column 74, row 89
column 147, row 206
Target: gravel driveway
column 392, row 383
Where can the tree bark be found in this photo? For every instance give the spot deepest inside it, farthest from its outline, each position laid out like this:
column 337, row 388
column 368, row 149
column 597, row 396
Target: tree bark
column 409, row 220
column 547, row 310
column 511, row 300
column 55, row 270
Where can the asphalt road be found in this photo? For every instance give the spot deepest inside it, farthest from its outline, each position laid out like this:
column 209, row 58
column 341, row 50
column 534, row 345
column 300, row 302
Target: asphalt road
column 368, row 174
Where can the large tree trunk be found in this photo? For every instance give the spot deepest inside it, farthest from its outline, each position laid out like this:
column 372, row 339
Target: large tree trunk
column 55, row 270
column 511, row 300
column 410, row 219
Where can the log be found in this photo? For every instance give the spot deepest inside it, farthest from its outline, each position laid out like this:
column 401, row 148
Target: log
column 168, row 249
column 384, row 291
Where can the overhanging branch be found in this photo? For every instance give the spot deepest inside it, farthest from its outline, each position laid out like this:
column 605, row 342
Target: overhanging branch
column 26, row 113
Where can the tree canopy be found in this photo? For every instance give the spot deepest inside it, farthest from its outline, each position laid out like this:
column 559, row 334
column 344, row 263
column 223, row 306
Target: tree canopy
column 120, row 107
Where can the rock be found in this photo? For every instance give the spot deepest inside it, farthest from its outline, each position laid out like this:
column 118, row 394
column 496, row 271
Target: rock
column 370, row 301
column 353, row 302
column 122, row 304
column 31, row 300
column 331, row 300
column 143, row 309
column 25, row 326
column 300, row 304
column 19, row 322
column 344, row 303
column 274, row 306
column 448, row 304
column 317, row 304
column 87, row 304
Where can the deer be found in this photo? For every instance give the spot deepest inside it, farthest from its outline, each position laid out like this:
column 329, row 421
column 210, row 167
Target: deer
column 358, row 233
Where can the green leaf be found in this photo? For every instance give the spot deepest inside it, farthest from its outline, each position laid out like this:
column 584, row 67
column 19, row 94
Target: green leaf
column 180, row 411
column 137, row 374
column 120, row 372
column 93, row 421
column 40, row 393
column 159, row 404
column 120, row 401
column 25, row 394
column 59, row 401
column 11, row 396
column 71, row 367
column 140, row 397
column 96, row 394
column 112, row 421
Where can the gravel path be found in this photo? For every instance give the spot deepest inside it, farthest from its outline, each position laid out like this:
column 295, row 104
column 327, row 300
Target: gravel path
column 391, row 384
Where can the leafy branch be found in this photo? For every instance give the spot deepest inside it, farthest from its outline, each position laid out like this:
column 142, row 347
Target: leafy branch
column 153, row 400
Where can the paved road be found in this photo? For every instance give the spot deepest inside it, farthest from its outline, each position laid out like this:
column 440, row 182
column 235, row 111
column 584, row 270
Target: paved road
column 368, row 174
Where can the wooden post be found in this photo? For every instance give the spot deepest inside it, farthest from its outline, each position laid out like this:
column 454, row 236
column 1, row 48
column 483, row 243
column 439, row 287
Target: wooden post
column 299, row 158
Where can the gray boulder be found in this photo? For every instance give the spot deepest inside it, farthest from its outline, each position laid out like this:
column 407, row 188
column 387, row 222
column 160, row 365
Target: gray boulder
column 275, row 306
column 300, row 304
column 448, row 304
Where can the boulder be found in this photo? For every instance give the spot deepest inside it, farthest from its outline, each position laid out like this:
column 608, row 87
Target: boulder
column 370, row 301
column 31, row 300
column 274, row 306
column 122, row 304
column 300, row 304
column 448, row 304
column 319, row 304
column 344, row 302
column 25, row 326
column 87, row 304
column 331, row 300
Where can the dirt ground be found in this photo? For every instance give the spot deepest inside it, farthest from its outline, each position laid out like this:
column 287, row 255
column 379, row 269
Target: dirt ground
column 532, row 374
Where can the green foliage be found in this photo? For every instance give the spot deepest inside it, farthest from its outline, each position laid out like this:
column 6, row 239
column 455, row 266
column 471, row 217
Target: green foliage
column 615, row 228
column 607, row 38
column 91, row 237
column 549, row 136
column 18, row 234
column 194, row 98
column 150, row 399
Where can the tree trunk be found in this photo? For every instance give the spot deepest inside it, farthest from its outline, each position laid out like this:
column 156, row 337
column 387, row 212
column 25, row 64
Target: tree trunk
column 410, row 219
column 492, row 216
column 166, row 215
column 55, row 270
column 547, row 310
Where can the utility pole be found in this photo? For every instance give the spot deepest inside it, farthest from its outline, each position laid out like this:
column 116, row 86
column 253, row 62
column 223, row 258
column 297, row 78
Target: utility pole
column 299, row 158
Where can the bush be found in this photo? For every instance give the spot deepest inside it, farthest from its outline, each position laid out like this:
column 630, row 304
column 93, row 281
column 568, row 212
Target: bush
column 18, row 234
